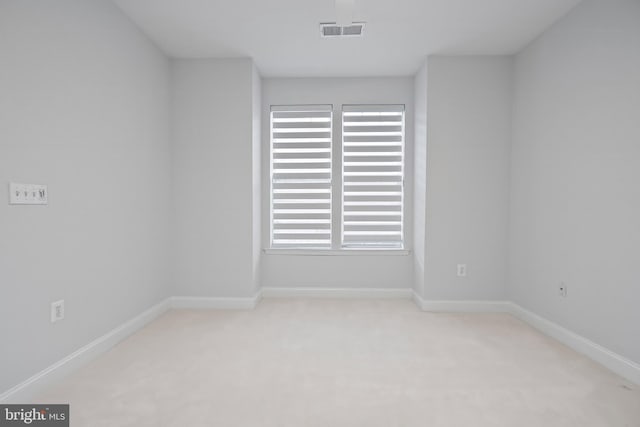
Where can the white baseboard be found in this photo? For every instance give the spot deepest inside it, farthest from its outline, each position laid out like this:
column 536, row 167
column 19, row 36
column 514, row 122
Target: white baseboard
column 25, row 390
column 28, row 388
column 369, row 293
column 462, row 306
column 613, row 361
column 220, row 303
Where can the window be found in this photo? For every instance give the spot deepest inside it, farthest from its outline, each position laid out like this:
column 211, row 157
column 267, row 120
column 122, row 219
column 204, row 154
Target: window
column 301, row 177
column 371, row 188
column 372, row 176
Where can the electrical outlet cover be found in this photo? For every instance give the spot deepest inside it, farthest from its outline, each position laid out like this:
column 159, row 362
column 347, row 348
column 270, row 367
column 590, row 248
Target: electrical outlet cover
column 57, row 311
column 462, row 270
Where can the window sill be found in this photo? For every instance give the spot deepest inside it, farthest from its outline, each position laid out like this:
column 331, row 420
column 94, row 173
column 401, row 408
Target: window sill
column 338, row 252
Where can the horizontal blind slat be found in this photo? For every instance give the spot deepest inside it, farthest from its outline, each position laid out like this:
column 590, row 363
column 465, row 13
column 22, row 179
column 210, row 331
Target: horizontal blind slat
column 382, row 109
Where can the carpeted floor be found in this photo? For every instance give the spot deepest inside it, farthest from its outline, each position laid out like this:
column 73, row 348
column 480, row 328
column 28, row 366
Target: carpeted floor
column 334, row 363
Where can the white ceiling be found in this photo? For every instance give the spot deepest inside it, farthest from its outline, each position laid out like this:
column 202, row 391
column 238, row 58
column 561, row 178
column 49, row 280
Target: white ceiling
column 283, row 36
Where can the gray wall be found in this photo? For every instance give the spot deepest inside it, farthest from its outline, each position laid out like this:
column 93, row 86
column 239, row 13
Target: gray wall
column 575, row 174
column 256, row 169
column 467, row 168
column 420, row 176
column 83, row 109
column 213, row 138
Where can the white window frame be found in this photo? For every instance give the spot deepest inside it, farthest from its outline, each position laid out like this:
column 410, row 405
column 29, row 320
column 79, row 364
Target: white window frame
column 320, row 108
column 337, row 186
column 372, row 109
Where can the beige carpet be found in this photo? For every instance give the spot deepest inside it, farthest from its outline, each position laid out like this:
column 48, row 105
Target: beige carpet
column 343, row 363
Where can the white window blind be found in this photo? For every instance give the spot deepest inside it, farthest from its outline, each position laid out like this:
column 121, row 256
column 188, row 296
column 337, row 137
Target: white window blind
column 372, row 176
column 301, row 138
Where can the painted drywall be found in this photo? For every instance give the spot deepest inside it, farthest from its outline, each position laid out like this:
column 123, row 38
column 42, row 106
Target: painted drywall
column 212, row 116
column 256, row 169
column 84, row 110
column 370, row 271
column 575, row 198
column 468, row 137
column 420, row 176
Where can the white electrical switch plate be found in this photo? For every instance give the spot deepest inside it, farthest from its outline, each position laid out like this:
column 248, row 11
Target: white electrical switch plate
column 28, row 194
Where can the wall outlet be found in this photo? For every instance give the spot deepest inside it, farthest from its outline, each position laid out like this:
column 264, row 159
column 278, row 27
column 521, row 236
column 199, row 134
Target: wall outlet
column 562, row 289
column 461, row 270
column 57, row 311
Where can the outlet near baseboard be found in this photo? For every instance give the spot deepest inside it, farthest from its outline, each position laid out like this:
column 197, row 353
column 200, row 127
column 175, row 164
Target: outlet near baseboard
column 562, row 289
column 461, row 270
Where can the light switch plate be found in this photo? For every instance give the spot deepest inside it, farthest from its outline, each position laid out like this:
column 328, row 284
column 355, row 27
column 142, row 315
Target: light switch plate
column 28, row 194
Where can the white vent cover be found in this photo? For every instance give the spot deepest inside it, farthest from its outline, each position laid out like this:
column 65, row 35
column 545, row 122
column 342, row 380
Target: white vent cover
column 354, row 29
column 331, row 29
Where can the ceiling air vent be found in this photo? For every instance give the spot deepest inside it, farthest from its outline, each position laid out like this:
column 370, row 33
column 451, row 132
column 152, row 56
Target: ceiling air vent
column 331, row 29
column 354, row 29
